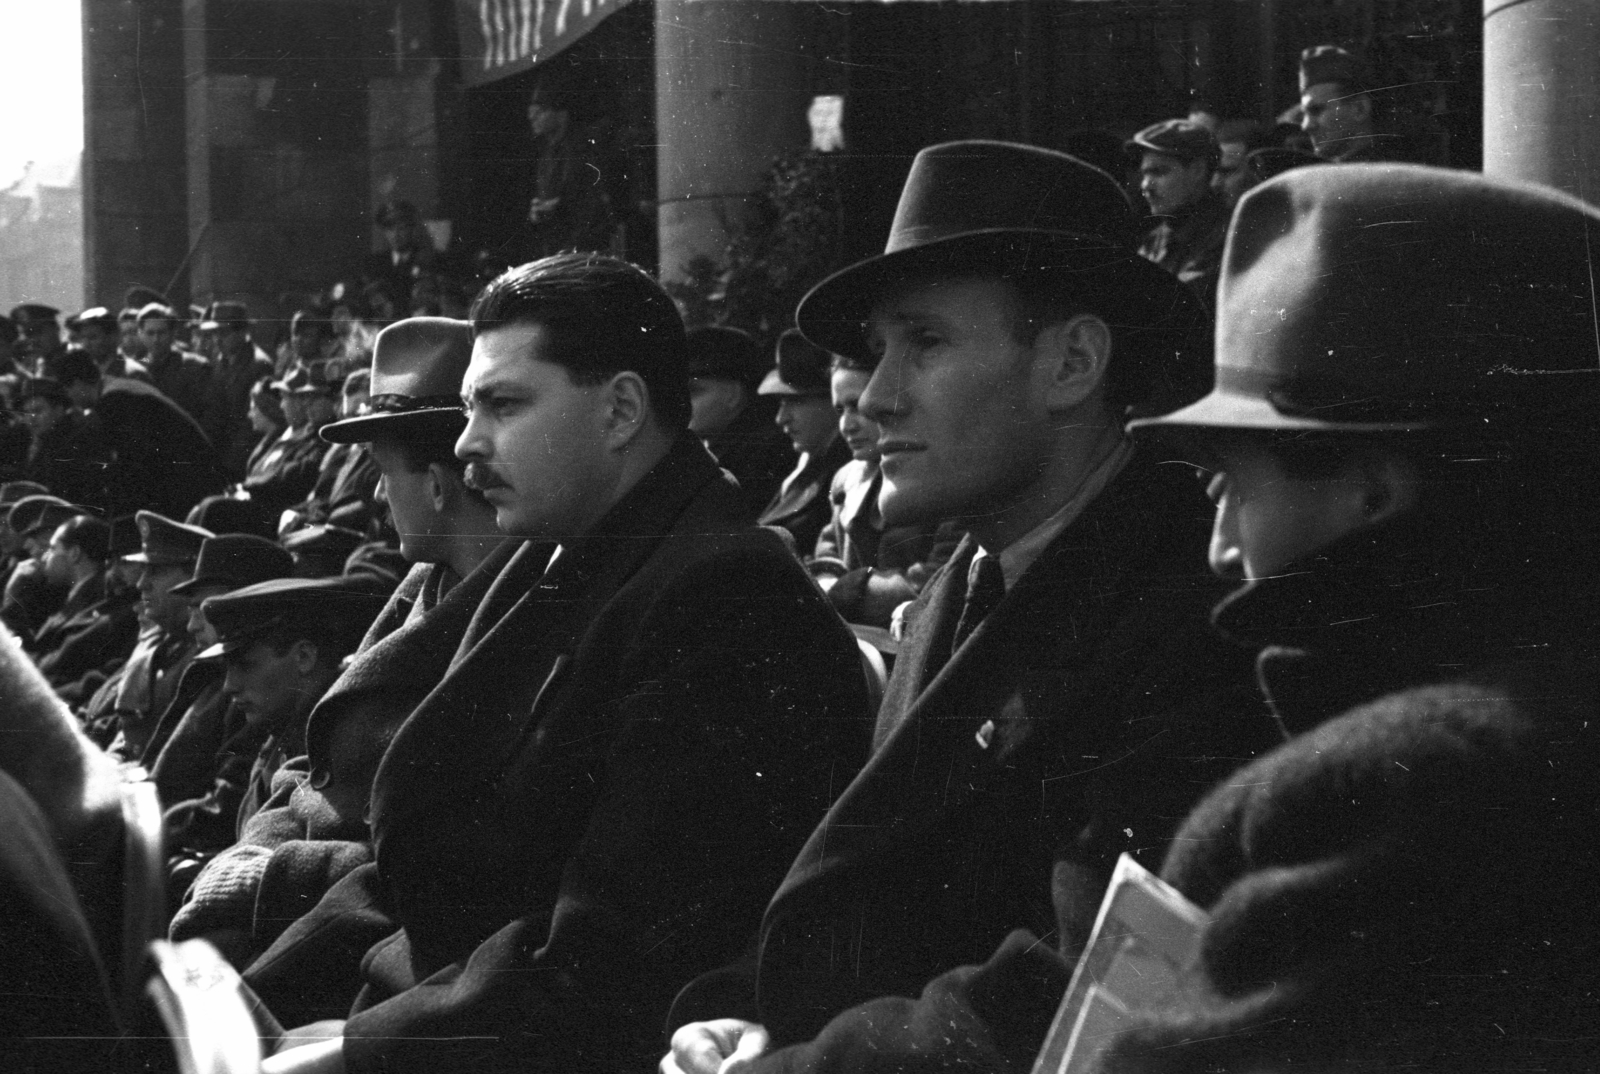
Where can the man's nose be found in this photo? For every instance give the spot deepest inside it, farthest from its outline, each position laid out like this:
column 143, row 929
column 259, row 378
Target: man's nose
column 882, row 399
column 471, row 444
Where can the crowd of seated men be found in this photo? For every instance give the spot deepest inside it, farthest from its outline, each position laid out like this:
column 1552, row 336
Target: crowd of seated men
column 587, row 760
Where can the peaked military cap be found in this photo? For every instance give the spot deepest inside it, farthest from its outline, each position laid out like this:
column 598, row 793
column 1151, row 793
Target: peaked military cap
column 30, row 312
column 1181, row 138
column 1396, row 298
column 165, row 542
column 802, row 367
column 417, row 368
column 334, row 611
column 95, row 315
column 33, row 513
column 1006, row 209
column 724, row 353
column 235, row 560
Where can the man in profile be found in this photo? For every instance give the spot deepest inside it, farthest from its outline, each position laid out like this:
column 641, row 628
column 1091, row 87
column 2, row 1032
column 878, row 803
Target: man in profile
column 649, row 687
column 1177, row 165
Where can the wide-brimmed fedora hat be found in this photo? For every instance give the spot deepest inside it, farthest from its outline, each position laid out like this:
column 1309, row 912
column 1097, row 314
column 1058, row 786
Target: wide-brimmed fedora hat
column 417, row 367
column 1379, row 298
column 1003, row 208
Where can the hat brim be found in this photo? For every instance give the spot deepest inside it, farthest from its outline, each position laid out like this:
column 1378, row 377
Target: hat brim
column 1224, row 411
column 774, row 384
column 406, row 425
column 1128, row 288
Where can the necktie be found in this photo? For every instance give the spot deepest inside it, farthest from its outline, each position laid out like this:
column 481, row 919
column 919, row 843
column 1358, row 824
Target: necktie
column 986, row 587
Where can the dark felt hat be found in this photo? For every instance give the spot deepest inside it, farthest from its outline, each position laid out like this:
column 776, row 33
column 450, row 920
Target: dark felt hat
column 335, row 611
column 802, row 367
column 1330, row 63
column 124, row 536
column 165, row 542
column 417, row 368
column 724, row 353
column 32, row 312
column 1393, row 298
column 235, row 560
column 34, row 513
column 222, row 514
column 1181, row 138
column 1003, row 208
column 12, row 491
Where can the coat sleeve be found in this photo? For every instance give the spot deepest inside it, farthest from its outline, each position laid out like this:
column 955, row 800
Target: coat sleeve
column 737, row 723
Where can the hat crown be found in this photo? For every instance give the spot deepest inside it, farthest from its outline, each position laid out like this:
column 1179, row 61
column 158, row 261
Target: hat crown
column 240, row 559
column 961, row 188
column 1395, row 294
column 342, row 608
column 422, row 358
column 166, row 541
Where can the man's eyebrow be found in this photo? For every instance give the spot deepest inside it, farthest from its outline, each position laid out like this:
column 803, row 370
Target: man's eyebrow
column 483, row 389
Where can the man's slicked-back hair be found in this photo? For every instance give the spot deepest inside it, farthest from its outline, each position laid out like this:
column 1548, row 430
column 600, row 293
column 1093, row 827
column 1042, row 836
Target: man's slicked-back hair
column 603, row 316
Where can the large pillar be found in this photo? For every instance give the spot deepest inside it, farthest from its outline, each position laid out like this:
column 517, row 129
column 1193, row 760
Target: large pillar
column 732, row 89
column 1541, row 93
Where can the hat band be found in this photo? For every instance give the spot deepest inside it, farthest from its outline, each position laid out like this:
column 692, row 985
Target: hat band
column 405, row 404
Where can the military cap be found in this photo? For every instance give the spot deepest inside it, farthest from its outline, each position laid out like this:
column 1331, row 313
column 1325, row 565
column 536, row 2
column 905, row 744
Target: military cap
column 12, row 491
column 235, row 560
column 312, row 378
column 1330, row 63
column 319, row 551
column 1181, row 138
column 94, row 315
column 34, row 513
column 802, row 367
column 1397, row 298
column 1007, row 209
column 724, row 353
column 220, row 315
column 165, row 542
column 32, row 312
column 332, row 611
column 417, row 367
column 157, row 309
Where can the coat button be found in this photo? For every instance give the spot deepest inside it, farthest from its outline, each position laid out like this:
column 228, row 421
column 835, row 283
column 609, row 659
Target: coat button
column 985, row 734
column 320, row 778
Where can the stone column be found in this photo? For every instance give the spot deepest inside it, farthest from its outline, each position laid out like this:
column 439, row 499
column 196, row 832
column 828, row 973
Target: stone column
column 732, row 88
column 1541, row 93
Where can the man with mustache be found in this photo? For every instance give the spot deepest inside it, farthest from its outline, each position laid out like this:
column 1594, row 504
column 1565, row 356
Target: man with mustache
column 1058, row 699
column 650, row 692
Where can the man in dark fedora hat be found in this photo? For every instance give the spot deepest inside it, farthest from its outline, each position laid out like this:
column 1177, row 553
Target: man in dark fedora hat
column 1402, row 429
column 725, row 369
column 1057, row 699
column 799, row 381
column 651, row 688
column 313, row 832
column 239, row 363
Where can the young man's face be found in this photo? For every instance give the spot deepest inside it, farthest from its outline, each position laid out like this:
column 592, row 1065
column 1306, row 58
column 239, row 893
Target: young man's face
column 714, row 402
column 156, row 335
column 1232, row 178
column 859, row 431
column 535, row 441
column 158, row 605
column 1268, row 521
column 1171, row 185
column 58, row 560
column 198, row 625
column 1331, row 116
column 964, row 426
column 128, row 340
column 808, row 421
column 266, row 685
column 99, row 342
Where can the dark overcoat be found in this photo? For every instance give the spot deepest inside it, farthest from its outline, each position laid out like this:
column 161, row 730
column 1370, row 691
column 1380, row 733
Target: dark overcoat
column 801, row 505
column 600, row 796
column 1080, row 720
column 93, row 631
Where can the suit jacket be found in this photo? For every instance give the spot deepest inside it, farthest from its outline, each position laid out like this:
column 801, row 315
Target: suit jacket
column 603, row 790
column 1077, row 722
column 91, row 632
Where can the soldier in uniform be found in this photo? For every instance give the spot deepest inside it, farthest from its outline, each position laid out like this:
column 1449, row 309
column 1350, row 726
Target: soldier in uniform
column 799, row 381
column 737, row 425
column 1177, row 159
column 130, row 703
column 1340, row 113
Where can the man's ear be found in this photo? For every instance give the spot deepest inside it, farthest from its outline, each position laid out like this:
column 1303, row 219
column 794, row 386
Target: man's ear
column 1074, row 353
column 439, row 486
column 627, row 407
